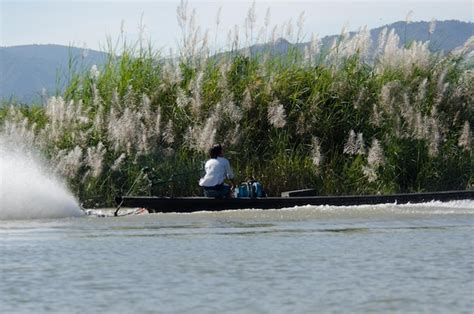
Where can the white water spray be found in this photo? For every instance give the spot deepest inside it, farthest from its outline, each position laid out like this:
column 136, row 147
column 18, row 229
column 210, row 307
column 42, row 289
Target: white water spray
column 28, row 189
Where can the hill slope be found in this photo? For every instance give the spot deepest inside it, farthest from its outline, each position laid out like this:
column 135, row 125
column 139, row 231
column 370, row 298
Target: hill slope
column 26, row 70
column 447, row 36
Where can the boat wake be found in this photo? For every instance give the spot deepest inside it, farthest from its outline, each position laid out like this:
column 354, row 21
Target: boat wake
column 110, row 212
column 27, row 189
column 428, row 209
column 432, row 207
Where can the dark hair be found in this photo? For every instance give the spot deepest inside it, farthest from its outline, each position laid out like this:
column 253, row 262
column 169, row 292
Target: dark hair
column 215, row 151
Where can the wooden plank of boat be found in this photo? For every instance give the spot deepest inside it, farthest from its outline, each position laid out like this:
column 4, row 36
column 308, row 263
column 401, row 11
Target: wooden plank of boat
column 193, row 204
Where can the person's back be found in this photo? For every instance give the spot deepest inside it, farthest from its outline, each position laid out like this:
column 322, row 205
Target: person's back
column 217, row 171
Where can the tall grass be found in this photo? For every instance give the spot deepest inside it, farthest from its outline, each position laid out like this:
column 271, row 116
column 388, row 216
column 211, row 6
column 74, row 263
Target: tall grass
column 344, row 120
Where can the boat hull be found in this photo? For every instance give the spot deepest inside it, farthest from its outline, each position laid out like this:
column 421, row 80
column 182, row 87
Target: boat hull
column 194, row 204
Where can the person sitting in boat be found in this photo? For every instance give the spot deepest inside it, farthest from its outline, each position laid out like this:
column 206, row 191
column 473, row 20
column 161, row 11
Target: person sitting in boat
column 217, row 171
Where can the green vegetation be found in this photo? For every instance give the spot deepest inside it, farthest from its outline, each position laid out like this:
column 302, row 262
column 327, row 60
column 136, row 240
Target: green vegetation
column 343, row 121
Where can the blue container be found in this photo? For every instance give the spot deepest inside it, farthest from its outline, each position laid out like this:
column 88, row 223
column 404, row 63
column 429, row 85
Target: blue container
column 249, row 189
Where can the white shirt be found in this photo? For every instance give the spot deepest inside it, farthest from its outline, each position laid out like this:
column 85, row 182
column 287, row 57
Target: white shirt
column 217, row 169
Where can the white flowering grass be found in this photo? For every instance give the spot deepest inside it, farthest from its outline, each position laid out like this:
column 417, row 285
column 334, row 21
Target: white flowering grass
column 302, row 119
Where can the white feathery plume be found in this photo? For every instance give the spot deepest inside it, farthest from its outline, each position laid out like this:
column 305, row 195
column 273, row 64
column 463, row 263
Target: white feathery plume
column 17, row 126
column 145, row 112
column 196, row 92
column 181, row 98
column 98, row 122
column 250, row 21
column 307, row 56
column 276, row 114
column 386, row 101
column 350, row 145
column 189, row 138
column 465, row 48
column 375, row 157
column 204, row 137
column 224, row 68
column 361, row 95
column 218, row 17
column 312, row 50
column 194, row 34
column 122, row 130
column 434, row 137
column 168, row 134
column 317, row 156
column 397, row 127
column 376, row 117
column 229, row 39
column 94, row 73
column 247, row 101
column 182, row 14
column 382, row 39
column 129, row 97
column 422, row 88
column 388, row 51
column 465, row 139
column 393, row 56
column 441, row 87
column 96, row 98
column 289, row 30
column 115, row 101
column 236, row 41
column 118, row 162
column 196, row 103
column 157, row 126
column 68, row 163
column 80, row 115
column 409, row 17
column 94, row 159
column 235, row 135
column 337, row 45
column 408, row 114
column 360, row 145
column 83, row 137
column 359, row 43
column 315, row 44
column 56, row 112
column 204, row 49
column 274, row 35
column 370, row 173
column 145, row 103
column 432, row 26
column 302, row 126
column 232, row 111
column 246, row 52
column 143, row 146
column 171, row 73
column 419, row 126
column 207, row 135
column 300, row 26
column 417, row 55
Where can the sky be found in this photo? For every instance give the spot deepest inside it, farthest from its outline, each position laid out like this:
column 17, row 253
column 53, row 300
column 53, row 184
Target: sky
column 88, row 23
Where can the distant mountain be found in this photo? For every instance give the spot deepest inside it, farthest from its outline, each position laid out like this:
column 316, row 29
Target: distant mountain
column 447, row 36
column 26, row 70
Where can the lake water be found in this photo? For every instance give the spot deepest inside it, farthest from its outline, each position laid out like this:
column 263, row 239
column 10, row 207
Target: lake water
column 360, row 259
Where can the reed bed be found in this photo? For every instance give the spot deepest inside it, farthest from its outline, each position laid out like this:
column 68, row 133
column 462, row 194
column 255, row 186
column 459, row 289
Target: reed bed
column 345, row 120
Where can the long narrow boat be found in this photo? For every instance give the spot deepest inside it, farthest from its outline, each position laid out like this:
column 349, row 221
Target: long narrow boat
column 194, row 204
